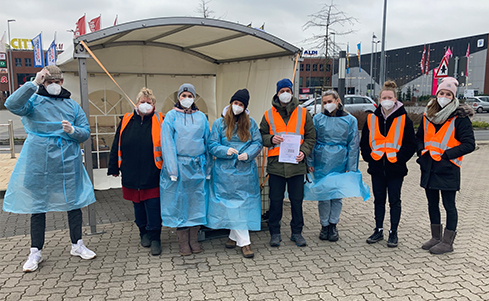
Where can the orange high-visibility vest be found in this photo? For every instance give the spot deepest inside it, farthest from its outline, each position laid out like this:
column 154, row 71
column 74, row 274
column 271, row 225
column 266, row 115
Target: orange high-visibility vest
column 155, row 133
column 277, row 126
column 437, row 142
column 389, row 144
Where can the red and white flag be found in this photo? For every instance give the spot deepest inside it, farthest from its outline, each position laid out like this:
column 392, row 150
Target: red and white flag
column 448, row 53
column 427, row 67
column 115, row 21
column 422, row 60
column 94, row 24
column 80, row 27
column 467, row 54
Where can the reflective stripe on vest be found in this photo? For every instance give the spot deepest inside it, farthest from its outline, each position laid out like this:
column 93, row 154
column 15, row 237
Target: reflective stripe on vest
column 156, row 122
column 278, row 127
column 390, row 144
column 438, row 142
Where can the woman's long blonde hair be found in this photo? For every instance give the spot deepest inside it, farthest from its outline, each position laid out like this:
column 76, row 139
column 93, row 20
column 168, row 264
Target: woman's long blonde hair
column 243, row 122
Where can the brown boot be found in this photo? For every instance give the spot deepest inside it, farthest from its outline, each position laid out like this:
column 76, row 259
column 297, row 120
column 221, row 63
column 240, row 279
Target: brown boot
column 183, row 245
column 194, row 240
column 436, row 231
column 230, row 244
column 247, row 252
column 446, row 244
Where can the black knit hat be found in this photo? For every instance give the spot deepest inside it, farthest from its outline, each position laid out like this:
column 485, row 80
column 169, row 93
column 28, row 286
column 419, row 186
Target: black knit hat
column 241, row 95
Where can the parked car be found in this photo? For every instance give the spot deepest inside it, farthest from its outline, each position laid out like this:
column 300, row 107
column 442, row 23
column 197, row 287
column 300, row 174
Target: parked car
column 352, row 103
column 478, row 103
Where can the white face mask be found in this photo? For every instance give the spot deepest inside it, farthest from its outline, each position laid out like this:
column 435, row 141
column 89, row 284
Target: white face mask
column 186, row 102
column 145, row 108
column 285, row 97
column 237, row 109
column 387, row 104
column 330, row 107
column 53, row 89
column 443, row 101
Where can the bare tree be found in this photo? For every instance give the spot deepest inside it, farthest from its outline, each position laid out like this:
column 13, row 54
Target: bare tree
column 328, row 19
column 204, row 10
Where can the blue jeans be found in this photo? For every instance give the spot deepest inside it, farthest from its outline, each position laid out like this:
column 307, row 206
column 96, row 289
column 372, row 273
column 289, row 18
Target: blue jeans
column 329, row 211
column 148, row 215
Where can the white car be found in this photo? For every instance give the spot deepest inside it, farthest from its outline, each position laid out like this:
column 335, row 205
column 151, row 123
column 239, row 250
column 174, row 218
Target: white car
column 352, row 103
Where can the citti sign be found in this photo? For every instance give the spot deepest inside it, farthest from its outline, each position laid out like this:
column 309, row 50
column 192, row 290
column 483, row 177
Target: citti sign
column 26, row 44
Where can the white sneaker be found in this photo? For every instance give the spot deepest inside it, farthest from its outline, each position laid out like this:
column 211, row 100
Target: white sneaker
column 79, row 249
column 32, row 263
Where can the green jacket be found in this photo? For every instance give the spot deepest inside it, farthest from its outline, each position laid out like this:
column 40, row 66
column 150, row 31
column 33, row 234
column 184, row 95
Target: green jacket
column 288, row 170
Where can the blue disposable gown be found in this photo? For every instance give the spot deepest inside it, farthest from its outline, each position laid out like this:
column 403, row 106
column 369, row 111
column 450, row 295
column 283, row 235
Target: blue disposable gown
column 234, row 198
column 336, row 152
column 49, row 174
column 184, row 139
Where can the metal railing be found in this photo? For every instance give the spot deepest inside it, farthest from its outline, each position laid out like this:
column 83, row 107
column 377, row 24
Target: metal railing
column 11, row 148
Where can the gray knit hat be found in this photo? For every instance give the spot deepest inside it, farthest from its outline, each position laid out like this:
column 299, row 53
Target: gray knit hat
column 186, row 88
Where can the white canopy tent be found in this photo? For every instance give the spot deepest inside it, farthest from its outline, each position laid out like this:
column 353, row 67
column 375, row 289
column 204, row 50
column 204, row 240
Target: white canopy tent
column 217, row 57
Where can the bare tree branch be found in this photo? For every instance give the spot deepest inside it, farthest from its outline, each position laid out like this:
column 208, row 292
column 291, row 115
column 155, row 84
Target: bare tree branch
column 204, row 10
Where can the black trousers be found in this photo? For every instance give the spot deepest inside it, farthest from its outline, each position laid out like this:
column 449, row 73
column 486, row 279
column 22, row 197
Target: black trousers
column 296, row 195
column 448, row 198
column 38, row 227
column 382, row 187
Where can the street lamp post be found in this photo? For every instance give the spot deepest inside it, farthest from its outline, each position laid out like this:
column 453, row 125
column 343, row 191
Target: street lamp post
column 372, row 64
column 342, row 74
column 382, row 53
column 375, row 66
column 332, row 69
column 11, row 67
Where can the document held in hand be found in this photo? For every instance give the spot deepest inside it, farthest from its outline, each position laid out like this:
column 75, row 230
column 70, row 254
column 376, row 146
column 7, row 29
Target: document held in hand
column 289, row 148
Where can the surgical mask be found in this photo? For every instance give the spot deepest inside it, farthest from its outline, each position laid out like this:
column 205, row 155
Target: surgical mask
column 443, row 101
column 330, row 107
column 387, row 104
column 285, row 97
column 186, row 102
column 237, row 109
column 145, row 108
column 53, row 89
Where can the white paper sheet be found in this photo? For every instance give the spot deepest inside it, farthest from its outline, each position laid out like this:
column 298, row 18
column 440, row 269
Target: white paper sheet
column 289, row 148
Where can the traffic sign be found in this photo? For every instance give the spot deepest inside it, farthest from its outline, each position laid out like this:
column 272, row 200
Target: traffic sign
column 443, row 68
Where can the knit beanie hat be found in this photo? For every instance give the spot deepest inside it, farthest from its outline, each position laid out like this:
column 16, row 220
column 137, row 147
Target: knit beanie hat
column 284, row 83
column 186, row 88
column 54, row 72
column 450, row 84
column 241, row 95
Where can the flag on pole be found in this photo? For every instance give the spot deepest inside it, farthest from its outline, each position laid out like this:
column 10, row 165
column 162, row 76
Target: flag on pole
column 422, row 60
column 448, row 53
column 359, row 54
column 467, row 54
column 427, row 68
column 347, row 58
column 115, row 21
column 80, row 27
column 94, row 24
column 51, row 54
column 37, row 48
column 2, row 44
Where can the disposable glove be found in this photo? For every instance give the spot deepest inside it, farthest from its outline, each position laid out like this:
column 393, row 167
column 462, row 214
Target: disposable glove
column 231, row 151
column 243, row 157
column 67, row 127
column 173, row 178
column 208, row 177
column 41, row 76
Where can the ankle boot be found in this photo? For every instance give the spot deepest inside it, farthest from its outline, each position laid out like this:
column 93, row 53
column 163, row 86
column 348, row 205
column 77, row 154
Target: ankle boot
column 183, row 245
column 194, row 240
column 155, row 242
column 436, row 231
column 446, row 244
column 324, row 234
column 333, row 233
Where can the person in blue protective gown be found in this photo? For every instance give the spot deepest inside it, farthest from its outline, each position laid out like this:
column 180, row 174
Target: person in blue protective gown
column 234, row 198
column 334, row 163
column 186, row 169
column 49, row 174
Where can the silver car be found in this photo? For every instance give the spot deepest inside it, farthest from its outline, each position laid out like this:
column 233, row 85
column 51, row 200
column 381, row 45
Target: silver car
column 352, row 103
column 478, row 103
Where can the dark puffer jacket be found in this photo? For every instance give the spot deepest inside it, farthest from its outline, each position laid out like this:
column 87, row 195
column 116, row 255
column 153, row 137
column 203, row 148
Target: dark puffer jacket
column 444, row 175
column 383, row 166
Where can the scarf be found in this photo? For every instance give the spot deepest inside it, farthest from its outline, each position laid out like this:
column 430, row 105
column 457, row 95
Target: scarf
column 444, row 113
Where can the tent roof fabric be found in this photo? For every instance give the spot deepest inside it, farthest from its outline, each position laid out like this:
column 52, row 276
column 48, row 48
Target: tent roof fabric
column 212, row 40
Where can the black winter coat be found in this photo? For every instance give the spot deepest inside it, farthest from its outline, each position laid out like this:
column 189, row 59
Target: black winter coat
column 383, row 166
column 444, row 175
column 138, row 166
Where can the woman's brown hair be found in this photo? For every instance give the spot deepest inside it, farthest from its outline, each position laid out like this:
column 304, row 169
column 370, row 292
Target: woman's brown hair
column 433, row 107
column 389, row 86
column 243, row 122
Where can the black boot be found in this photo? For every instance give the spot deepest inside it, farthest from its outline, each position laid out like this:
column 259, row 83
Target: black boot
column 392, row 241
column 333, row 233
column 377, row 236
column 155, row 237
column 324, row 234
column 143, row 234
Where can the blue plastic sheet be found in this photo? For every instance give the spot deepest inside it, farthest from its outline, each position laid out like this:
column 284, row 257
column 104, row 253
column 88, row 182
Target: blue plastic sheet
column 184, row 139
column 49, row 174
column 335, row 160
column 234, row 198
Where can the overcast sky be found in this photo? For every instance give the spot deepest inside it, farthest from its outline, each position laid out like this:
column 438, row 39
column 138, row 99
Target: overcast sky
column 409, row 22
